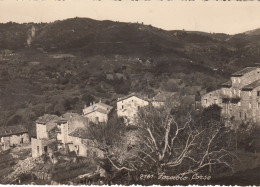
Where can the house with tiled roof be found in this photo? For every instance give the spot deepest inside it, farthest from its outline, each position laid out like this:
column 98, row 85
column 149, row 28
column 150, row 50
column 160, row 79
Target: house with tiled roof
column 159, row 99
column 239, row 98
column 12, row 136
column 44, row 124
column 128, row 106
column 45, row 135
column 97, row 112
column 83, row 143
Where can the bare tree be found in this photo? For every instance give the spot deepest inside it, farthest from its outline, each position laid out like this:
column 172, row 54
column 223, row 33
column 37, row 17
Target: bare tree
column 177, row 140
column 165, row 139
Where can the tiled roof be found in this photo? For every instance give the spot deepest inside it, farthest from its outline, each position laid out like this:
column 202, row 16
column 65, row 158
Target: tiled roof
column 252, row 85
column 190, row 99
column 228, row 83
column 11, row 130
column 244, row 71
column 163, row 96
column 99, row 107
column 140, row 96
column 81, row 133
column 47, row 118
column 74, row 120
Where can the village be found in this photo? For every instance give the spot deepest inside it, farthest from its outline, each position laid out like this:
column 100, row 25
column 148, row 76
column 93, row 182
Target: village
column 68, row 133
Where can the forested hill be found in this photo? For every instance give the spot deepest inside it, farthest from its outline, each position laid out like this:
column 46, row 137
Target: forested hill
column 72, row 62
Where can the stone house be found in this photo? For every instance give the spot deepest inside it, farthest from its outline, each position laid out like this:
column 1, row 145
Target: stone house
column 42, row 146
column 239, row 98
column 12, row 136
column 46, row 135
column 82, row 143
column 128, row 106
column 211, row 98
column 44, row 124
column 68, row 131
column 160, row 99
column 62, row 131
column 97, row 112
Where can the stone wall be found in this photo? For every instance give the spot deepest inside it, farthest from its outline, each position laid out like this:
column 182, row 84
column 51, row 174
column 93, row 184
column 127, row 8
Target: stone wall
column 41, row 131
column 96, row 117
column 19, row 139
column 39, row 147
column 211, row 98
column 14, row 140
column 63, row 135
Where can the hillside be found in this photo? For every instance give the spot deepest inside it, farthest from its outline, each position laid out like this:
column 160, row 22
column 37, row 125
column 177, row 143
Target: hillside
column 75, row 61
column 253, row 32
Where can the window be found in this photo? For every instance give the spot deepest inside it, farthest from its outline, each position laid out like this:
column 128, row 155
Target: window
column 96, row 119
column 245, row 116
column 45, row 148
column 215, row 101
column 258, row 105
column 258, row 93
column 38, row 149
column 138, row 107
column 21, row 140
column 94, row 154
column 249, row 104
column 239, row 93
column 122, row 106
column 240, row 114
column 239, row 103
column 205, row 101
column 250, row 93
column 234, row 92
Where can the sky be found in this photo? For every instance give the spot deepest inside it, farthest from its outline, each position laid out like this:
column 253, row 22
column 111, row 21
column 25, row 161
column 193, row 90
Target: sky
column 209, row 16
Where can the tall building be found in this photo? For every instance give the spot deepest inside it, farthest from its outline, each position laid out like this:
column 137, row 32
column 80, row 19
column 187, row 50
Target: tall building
column 239, row 98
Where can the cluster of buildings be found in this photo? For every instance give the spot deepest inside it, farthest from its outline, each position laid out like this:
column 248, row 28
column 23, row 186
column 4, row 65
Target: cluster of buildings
column 239, row 98
column 69, row 132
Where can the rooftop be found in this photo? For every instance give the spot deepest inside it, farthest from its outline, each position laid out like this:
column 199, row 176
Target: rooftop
column 12, row 130
column 163, row 96
column 140, row 96
column 252, row 85
column 82, row 133
column 47, row 118
column 99, row 107
column 228, row 83
column 244, row 71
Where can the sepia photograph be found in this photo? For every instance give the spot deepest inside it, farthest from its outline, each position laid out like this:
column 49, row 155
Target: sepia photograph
column 130, row 92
